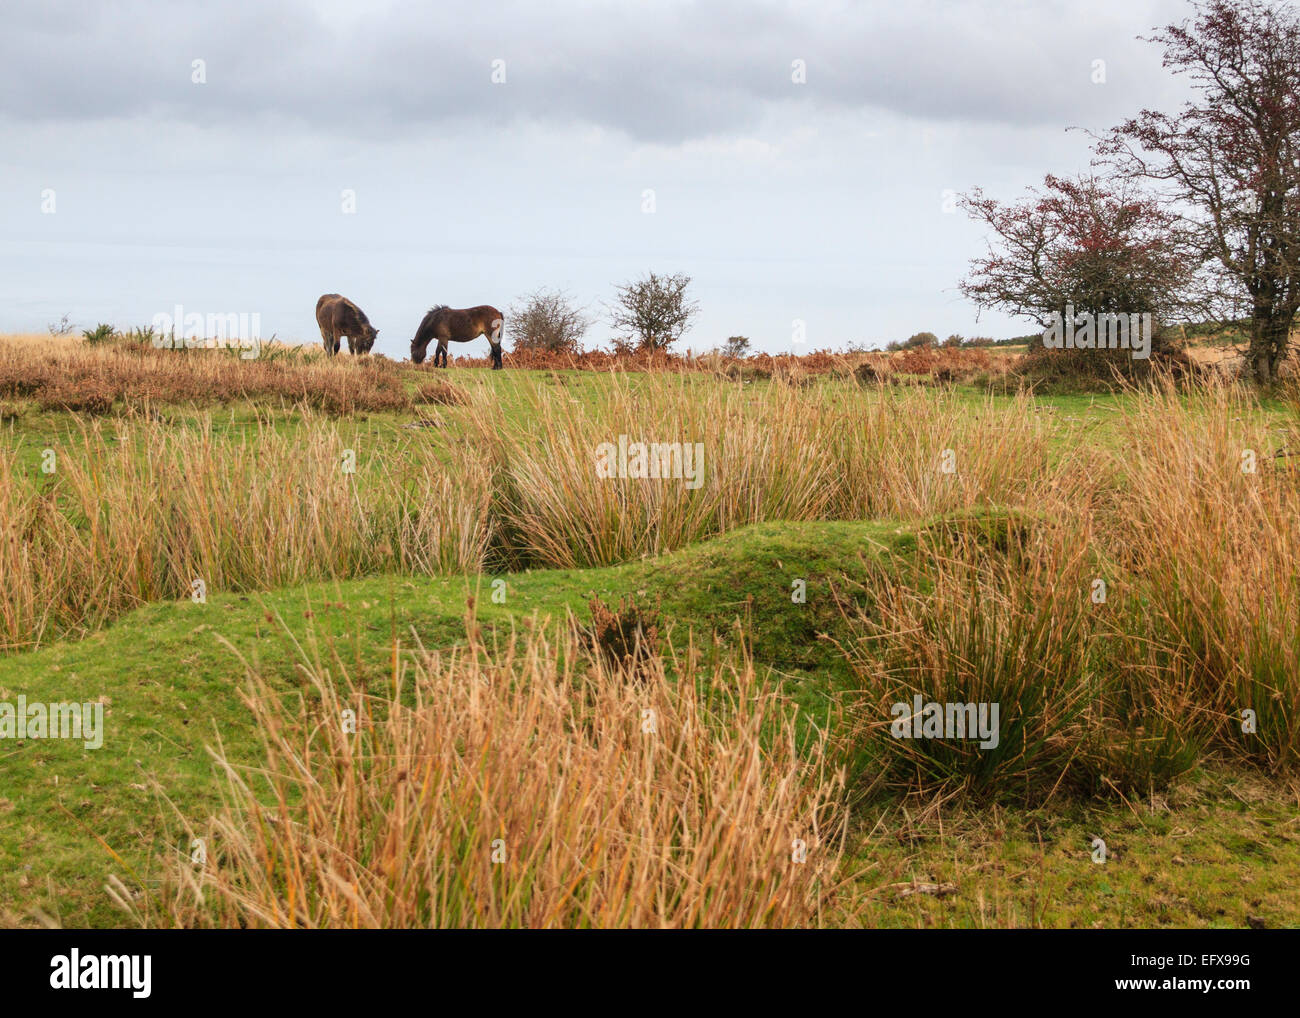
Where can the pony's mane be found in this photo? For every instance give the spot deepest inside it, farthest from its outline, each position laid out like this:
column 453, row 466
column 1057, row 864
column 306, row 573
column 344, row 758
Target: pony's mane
column 438, row 307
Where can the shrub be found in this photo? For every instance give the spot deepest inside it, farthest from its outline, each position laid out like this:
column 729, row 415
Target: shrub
column 869, row 374
column 736, row 346
column 627, row 636
column 655, row 310
column 101, row 333
column 547, row 320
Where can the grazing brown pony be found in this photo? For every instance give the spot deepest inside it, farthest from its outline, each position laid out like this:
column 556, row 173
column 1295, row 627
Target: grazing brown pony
column 457, row 326
column 337, row 316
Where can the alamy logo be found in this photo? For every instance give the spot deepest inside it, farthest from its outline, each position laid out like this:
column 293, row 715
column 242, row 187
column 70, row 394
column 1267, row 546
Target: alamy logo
column 238, row 331
column 25, row 720
column 920, row 720
column 651, row 460
column 102, row 972
column 1099, row 332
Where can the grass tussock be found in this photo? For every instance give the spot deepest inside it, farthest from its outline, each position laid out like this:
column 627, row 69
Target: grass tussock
column 1017, row 629
column 1209, row 532
column 137, row 511
column 777, row 453
column 533, row 786
column 752, row 457
column 1005, row 631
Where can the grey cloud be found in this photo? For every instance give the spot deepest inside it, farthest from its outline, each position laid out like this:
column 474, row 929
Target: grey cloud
column 659, row 73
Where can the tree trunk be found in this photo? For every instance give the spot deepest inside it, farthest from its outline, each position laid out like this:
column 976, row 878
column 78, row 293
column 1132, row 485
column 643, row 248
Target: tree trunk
column 1270, row 331
column 1260, row 363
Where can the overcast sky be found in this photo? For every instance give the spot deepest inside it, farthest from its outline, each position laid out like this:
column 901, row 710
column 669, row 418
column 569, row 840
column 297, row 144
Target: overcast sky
column 821, row 201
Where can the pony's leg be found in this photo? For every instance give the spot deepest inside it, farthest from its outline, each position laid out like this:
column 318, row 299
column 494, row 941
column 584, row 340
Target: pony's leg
column 440, row 356
column 351, row 350
column 327, row 340
column 494, row 338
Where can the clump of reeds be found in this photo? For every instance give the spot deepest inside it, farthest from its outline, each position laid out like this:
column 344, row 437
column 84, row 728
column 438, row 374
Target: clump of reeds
column 1208, row 528
column 527, row 786
column 136, row 510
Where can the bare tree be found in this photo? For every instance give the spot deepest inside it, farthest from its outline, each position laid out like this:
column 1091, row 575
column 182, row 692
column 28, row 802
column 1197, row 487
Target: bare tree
column 655, row 310
column 547, row 320
column 1229, row 161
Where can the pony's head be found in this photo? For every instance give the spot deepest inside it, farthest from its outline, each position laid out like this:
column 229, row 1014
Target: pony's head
column 367, row 338
column 424, row 334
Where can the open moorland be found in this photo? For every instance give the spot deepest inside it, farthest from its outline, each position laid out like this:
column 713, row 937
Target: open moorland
column 387, row 645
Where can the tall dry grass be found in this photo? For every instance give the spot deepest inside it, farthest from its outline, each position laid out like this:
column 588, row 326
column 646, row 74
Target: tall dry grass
column 1003, row 613
column 911, row 453
column 529, row 786
column 993, row 617
column 136, row 511
column 1198, row 622
column 775, row 453
column 761, row 461
column 1211, row 549
column 1199, row 556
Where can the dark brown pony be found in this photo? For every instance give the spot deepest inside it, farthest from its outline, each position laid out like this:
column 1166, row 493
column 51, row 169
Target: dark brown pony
column 337, row 316
column 449, row 325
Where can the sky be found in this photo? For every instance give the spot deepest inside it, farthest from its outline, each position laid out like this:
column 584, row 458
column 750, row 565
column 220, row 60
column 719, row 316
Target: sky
column 247, row 157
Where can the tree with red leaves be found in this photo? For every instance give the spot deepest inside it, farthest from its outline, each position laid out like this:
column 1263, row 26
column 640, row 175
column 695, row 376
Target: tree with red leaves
column 1229, row 162
column 1100, row 246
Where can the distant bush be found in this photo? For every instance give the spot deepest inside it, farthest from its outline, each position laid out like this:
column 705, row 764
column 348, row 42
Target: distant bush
column 736, row 346
column 654, row 311
column 101, row 333
column 868, row 373
column 1103, row 370
column 547, row 320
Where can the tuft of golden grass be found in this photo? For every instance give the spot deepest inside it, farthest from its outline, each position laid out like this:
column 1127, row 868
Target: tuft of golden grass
column 531, row 785
column 136, row 511
column 1209, row 529
column 760, row 462
column 782, row 452
column 996, row 617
